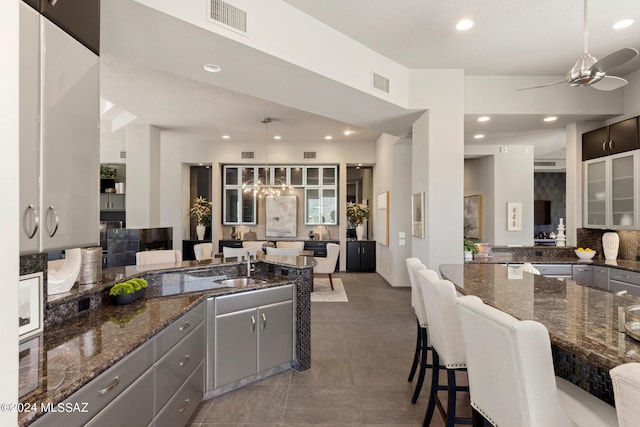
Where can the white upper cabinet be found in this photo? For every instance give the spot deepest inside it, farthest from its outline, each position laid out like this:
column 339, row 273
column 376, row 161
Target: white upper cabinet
column 610, row 193
column 60, row 139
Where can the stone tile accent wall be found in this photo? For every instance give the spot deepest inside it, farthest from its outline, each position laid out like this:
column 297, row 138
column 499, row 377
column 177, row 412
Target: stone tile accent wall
column 629, row 242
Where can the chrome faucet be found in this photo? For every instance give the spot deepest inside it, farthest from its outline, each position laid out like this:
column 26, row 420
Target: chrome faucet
column 249, row 266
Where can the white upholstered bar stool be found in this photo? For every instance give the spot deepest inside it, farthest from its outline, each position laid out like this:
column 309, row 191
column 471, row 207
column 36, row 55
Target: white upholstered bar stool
column 283, row 251
column 626, row 389
column 284, row 244
column 447, row 345
column 422, row 340
column 327, row 265
column 511, row 374
column 203, row 251
column 165, row 256
column 253, row 243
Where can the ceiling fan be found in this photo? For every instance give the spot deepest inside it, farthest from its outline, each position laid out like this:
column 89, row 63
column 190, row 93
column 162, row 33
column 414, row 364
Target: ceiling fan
column 589, row 71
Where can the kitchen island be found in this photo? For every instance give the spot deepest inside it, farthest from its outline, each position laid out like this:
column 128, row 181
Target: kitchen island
column 75, row 349
column 582, row 320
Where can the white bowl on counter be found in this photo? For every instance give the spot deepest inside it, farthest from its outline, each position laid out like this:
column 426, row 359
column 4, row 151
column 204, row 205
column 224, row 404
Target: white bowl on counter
column 585, row 254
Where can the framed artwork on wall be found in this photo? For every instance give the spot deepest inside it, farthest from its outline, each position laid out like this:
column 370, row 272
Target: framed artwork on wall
column 473, row 217
column 30, row 305
column 382, row 219
column 514, row 216
column 281, row 216
column 417, row 215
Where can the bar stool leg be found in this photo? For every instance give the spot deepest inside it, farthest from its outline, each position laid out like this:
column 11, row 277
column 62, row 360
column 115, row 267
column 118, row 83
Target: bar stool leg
column 416, row 355
column 451, row 397
column 423, row 365
column 435, row 373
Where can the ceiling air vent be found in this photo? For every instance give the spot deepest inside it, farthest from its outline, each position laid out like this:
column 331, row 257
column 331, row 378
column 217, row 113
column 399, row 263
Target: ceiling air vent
column 380, row 82
column 123, row 154
column 309, row 154
column 227, row 15
column 541, row 163
column 248, row 154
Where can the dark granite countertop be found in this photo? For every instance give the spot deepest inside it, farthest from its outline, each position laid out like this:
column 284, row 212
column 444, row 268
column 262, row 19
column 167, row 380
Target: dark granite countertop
column 580, row 319
column 66, row 356
column 506, row 258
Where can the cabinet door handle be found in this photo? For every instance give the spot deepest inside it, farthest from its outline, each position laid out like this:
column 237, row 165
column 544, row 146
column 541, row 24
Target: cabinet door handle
column 253, row 324
column 604, row 146
column 185, row 325
column 36, row 221
column 612, row 145
column 53, row 2
column 184, row 406
column 264, row 321
column 185, row 360
column 56, row 219
column 110, row 387
column 363, row 249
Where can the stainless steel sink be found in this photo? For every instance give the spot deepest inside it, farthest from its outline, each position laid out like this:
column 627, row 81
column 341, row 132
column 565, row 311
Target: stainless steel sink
column 240, row 282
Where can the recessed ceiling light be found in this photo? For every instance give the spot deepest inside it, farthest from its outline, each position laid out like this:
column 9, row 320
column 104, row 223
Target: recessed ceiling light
column 200, row 164
column 484, row 118
column 328, row 137
column 348, row 132
column 550, row 119
column 478, row 136
column 359, row 164
column 277, row 137
column 212, row 68
column 624, row 23
column 464, row 24
column 225, row 137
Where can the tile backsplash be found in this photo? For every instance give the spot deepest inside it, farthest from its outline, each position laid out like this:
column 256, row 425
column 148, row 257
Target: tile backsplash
column 629, row 242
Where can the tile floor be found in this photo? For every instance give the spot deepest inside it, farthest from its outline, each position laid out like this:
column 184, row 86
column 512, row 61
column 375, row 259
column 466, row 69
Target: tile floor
column 361, row 355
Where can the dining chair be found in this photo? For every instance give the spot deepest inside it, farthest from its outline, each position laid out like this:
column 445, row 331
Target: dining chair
column 290, row 244
column 422, row 340
column 448, row 351
column 283, row 251
column 253, row 243
column 203, row 251
column 626, row 391
column 240, row 253
column 511, row 376
column 327, row 265
column 163, row 256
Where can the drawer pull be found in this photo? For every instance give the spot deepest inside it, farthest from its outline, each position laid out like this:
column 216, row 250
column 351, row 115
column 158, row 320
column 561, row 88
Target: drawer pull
column 110, row 387
column 253, row 324
column 185, row 325
column 184, row 406
column 185, row 360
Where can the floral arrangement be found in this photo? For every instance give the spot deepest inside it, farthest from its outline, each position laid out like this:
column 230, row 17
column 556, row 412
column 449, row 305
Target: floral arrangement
column 201, row 210
column 470, row 246
column 357, row 212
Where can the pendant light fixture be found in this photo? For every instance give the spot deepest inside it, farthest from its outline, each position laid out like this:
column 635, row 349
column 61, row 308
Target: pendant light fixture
column 263, row 186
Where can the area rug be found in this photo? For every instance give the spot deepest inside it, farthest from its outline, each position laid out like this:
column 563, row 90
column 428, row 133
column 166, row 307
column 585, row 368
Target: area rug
column 322, row 291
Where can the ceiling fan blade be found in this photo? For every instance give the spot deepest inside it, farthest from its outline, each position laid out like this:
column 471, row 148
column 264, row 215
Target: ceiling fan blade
column 615, row 59
column 610, row 83
column 545, row 85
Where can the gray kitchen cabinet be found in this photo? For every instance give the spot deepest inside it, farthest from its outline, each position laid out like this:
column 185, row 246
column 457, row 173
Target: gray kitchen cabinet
column 253, row 332
column 59, row 138
column 623, row 280
column 600, row 277
column 555, row 270
column 112, row 202
column 132, row 407
column 102, row 390
column 583, row 274
column 184, row 402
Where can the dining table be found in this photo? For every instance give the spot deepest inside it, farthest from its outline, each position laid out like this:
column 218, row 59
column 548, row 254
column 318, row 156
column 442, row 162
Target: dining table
column 585, row 323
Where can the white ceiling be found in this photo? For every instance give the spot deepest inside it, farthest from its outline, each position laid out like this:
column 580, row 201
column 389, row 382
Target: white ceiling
column 146, row 57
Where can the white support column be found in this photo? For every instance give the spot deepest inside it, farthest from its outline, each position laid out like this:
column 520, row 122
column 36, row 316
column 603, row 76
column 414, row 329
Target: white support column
column 143, row 176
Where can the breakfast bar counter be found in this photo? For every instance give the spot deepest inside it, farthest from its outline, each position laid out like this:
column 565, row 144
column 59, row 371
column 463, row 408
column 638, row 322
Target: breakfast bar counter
column 582, row 320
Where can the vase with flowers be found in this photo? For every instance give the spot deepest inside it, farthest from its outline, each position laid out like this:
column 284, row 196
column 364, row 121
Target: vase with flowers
column 357, row 213
column 201, row 212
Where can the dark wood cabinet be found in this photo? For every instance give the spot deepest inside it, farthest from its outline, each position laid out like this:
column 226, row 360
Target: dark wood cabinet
column 229, row 244
column 78, row 18
column 361, row 256
column 613, row 139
